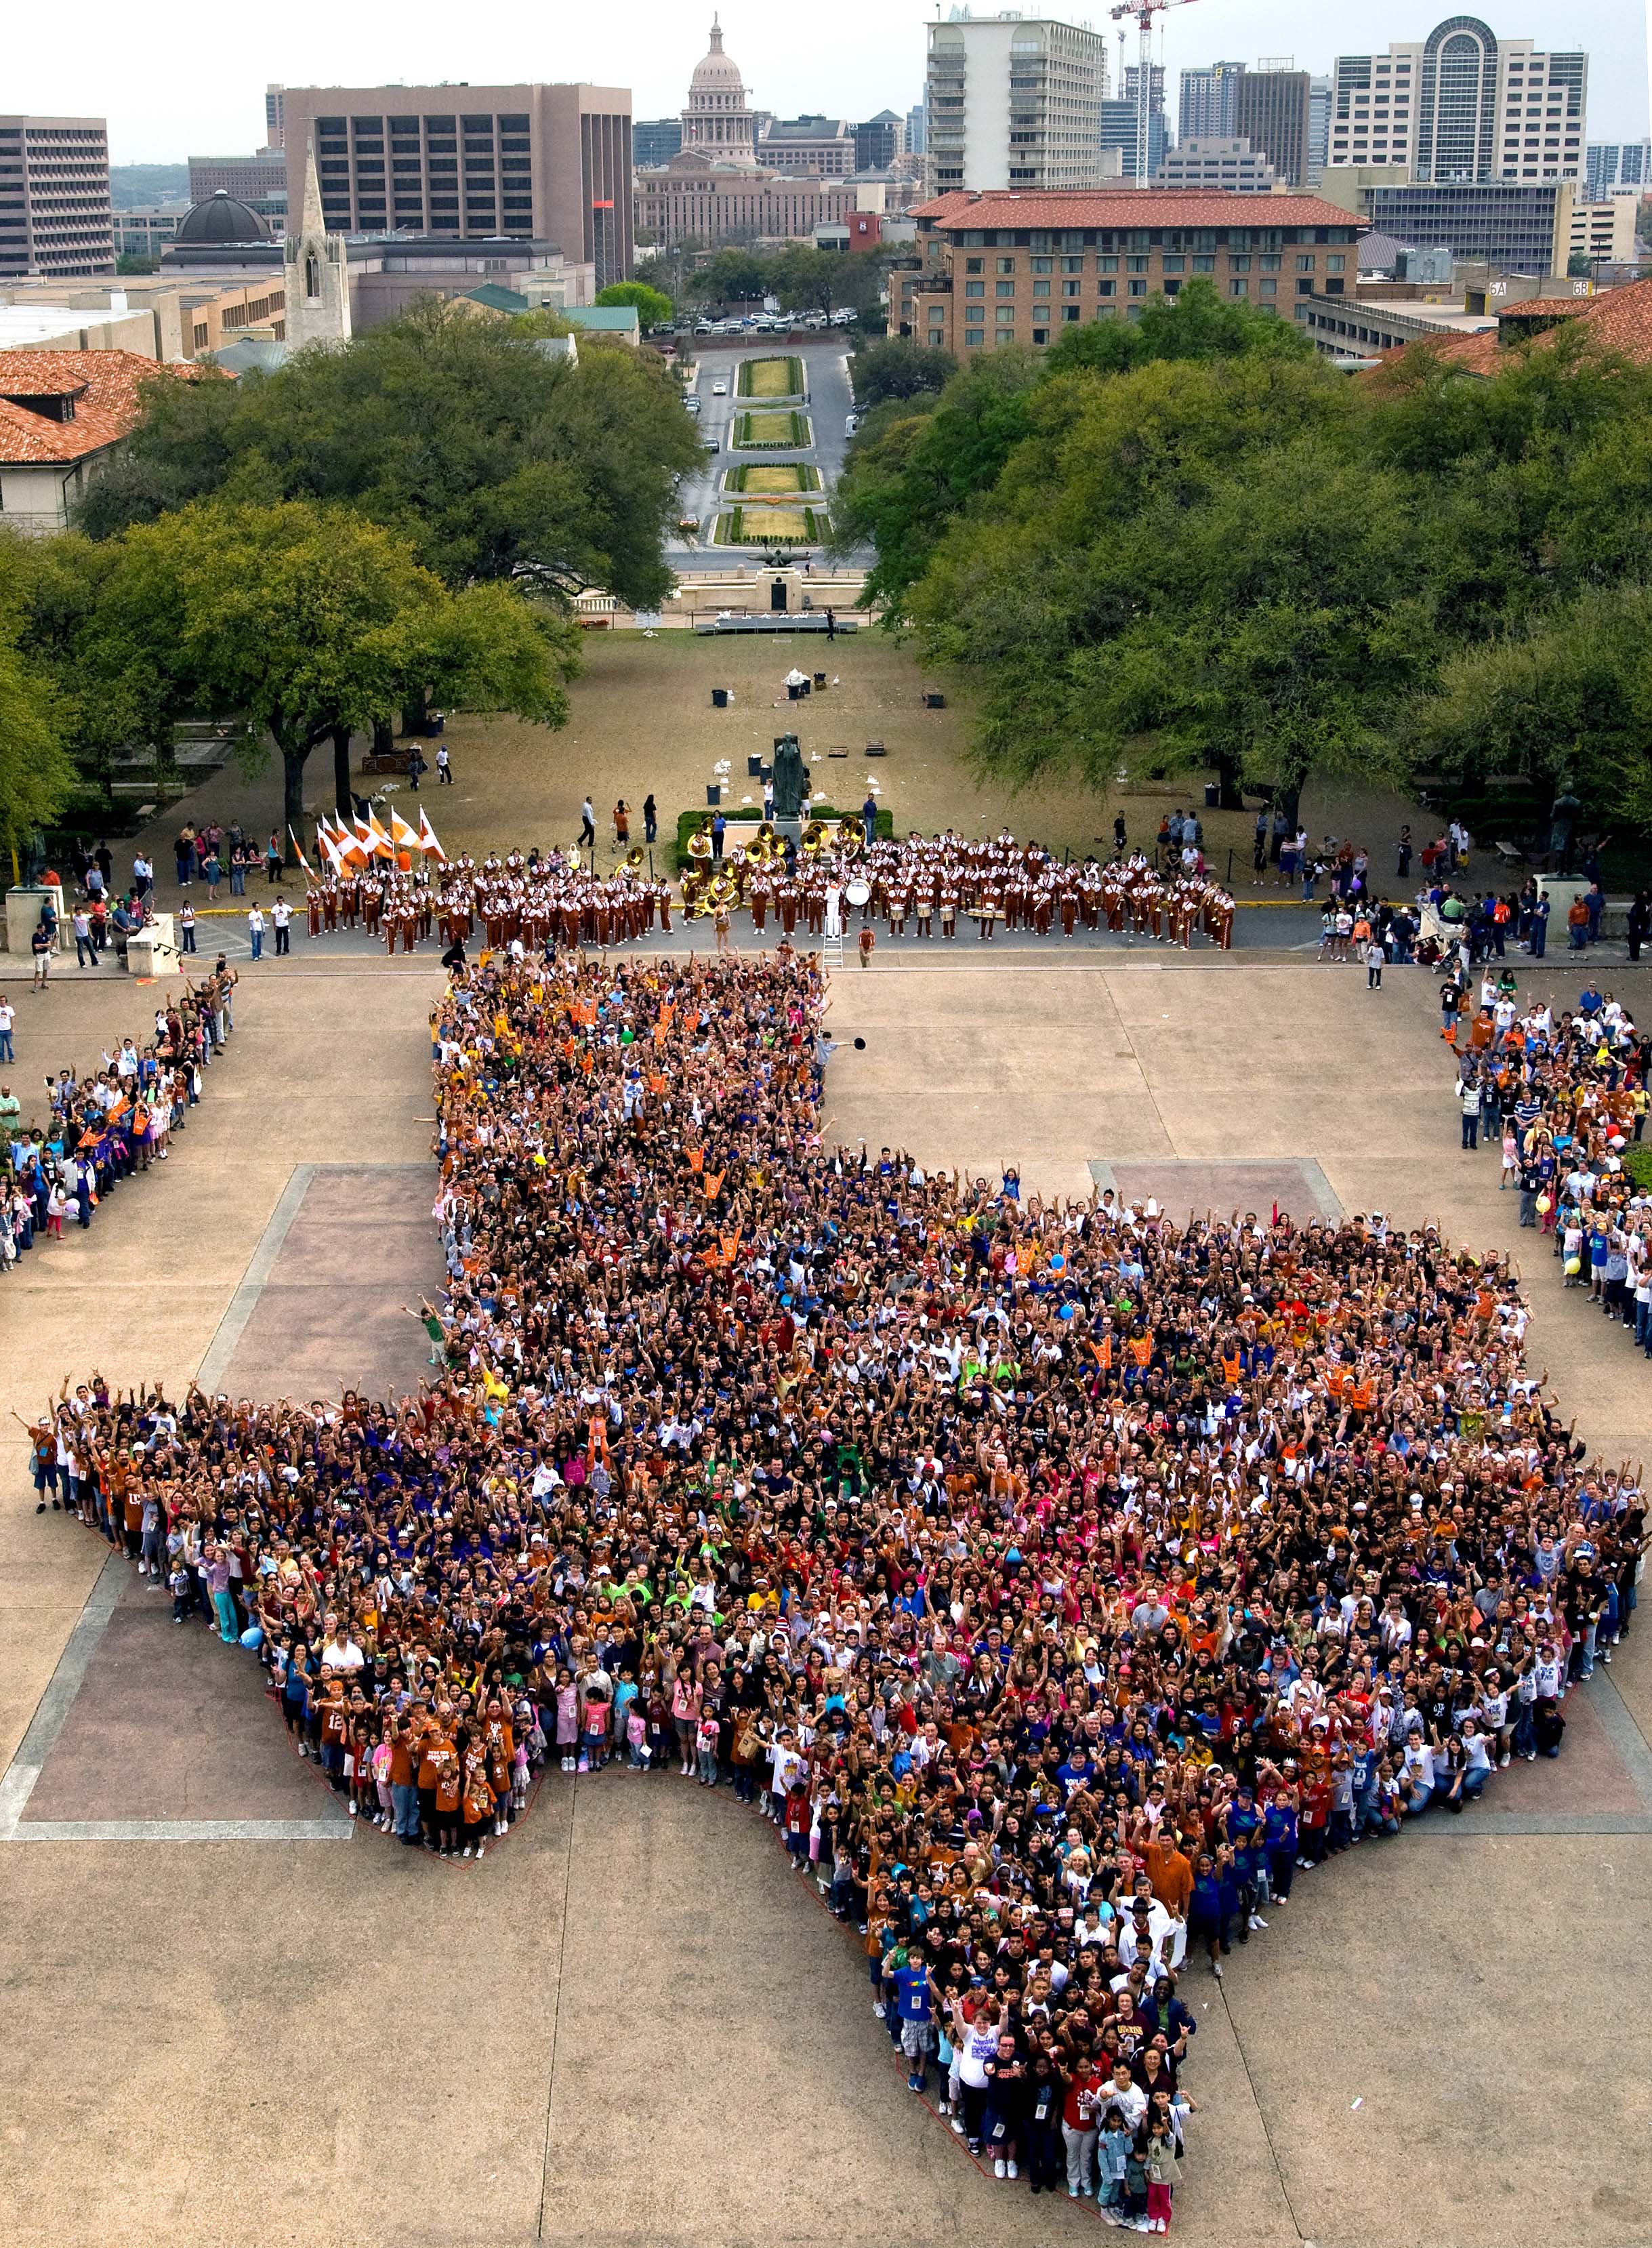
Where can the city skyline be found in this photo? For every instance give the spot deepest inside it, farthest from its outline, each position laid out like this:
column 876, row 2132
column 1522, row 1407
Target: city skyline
column 205, row 94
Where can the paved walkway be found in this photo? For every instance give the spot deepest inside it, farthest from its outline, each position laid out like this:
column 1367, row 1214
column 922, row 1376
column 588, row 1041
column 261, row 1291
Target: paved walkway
column 633, row 2026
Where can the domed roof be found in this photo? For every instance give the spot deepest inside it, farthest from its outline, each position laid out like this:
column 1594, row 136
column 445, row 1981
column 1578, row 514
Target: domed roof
column 715, row 71
column 222, row 218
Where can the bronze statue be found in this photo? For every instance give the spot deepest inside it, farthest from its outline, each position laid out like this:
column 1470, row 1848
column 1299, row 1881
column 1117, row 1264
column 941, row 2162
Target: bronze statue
column 790, row 778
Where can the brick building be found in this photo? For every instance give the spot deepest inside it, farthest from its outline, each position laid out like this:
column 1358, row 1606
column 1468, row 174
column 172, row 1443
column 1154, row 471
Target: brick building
column 1038, row 264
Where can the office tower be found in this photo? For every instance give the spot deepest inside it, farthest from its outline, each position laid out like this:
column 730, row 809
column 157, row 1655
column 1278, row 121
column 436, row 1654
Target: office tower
column 1206, row 106
column 55, row 218
column 1231, row 165
column 273, row 115
column 878, row 142
column 1462, row 105
column 916, row 138
column 1014, row 101
column 1319, row 96
column 1119, row 131
column 549, row 163
column 654, row 140
column 1270, row 110
column 1619, row 167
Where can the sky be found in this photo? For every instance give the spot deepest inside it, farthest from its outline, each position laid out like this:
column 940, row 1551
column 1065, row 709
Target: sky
column 196, row 88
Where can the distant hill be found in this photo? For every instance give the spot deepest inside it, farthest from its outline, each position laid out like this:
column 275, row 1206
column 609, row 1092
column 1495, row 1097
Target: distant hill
column 131, row 185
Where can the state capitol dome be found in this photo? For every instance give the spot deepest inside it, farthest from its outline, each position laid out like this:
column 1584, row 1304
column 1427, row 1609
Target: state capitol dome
column 716, row 122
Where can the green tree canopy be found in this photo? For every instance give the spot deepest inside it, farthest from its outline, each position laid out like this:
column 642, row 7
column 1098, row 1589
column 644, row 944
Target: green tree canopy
column 731, row 276
column 304, row 622
column 897, row 367
column 1198, row 323
column 35, row 772
column 654, row 308
column 488, row 458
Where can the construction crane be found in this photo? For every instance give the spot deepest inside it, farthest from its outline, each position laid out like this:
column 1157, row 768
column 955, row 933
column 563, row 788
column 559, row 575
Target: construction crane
column 1144, row 12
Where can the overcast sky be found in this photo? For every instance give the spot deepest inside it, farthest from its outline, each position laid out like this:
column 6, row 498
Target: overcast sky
column 190, row 80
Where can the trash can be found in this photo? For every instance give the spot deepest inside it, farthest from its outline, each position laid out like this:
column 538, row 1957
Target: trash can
column 719, row 698
column 1212, row 795
column 714, row 793
column 819, row 679
column 794, row 691
column 754, row 768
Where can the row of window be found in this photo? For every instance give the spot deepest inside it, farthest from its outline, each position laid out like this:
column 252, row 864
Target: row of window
column 1170, row 261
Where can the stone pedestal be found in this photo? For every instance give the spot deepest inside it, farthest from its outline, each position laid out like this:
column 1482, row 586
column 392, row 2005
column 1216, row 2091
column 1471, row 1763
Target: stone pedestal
column 790, row 830
column 152, row 949
column 23, row 913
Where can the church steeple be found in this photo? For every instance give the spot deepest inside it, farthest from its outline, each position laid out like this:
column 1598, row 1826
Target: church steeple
column 317, row 269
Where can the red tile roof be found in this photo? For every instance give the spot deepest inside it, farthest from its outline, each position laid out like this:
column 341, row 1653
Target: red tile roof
column 1125, row 207
column 107, row 405
column 1617, row 321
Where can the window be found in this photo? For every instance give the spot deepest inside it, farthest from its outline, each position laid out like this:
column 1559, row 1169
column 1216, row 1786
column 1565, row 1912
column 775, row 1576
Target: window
column 1040, row 288
column 1305, row 288
column 1071, row 265
column 1238, row 265
column 1104, row 287
column 1004, row 288
column 1135, row 264
column 1107, row 264
column 1070, row 311
column 975, row 288
column 1069, row 288
column 1043, row 264
column 1007, row 266
column 1238, row 288
column 1304, row 263
column 1270, row 261
column 974, row 337
column 1170, row 265
column 974, row 265
column 1270, row 288
column 1138, row 288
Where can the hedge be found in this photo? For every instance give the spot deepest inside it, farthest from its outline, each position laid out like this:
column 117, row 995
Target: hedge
column 741, row 813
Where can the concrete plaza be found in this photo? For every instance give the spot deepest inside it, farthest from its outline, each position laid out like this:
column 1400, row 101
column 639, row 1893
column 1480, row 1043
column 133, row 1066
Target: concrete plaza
column 231, row 2020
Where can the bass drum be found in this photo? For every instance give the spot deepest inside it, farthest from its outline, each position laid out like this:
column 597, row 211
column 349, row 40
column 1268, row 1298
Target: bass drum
column 857, row 892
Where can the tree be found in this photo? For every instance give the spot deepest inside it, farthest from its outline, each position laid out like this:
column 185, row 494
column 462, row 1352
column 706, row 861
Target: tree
column 1195, row 324
column 36, row 774
column 305, row 622
column 732, row 275
column 910, row 475
column 898, row 368
column 810, row 280
column 654, row 308
column 488, row 459
column 1566, row 702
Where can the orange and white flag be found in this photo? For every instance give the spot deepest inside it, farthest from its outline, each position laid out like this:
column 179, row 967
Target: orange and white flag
column 298, row 849
column 427, row 836
column 404, row 838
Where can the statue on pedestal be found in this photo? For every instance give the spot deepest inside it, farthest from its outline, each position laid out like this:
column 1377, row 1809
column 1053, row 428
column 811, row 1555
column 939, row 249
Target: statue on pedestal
column 791, row 779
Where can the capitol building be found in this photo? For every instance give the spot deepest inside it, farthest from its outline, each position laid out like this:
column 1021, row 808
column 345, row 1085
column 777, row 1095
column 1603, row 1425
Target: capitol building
column 714, row 190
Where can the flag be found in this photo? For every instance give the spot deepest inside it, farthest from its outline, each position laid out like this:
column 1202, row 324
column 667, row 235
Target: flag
column 298, row 853
column 427, row 836
column 378, row 842
column 401, row 835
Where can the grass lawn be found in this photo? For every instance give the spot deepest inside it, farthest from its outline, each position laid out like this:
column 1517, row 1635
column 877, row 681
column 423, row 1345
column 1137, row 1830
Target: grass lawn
column 782, row 431
column 770, row 378
column 781, row 477
column 771, row 522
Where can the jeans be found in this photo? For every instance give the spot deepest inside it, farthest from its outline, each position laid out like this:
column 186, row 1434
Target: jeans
column 258, row 945
column 6, row 1053
column 404, row 1810
column 706, row 1759
column 186, row 939
column 237, row 881
column 283, row 942
column 1539, row 938
column 1643, row 1324
column 1529, row 1207
column 1471, row 1125
column 86, row 953
column 1081, row 2146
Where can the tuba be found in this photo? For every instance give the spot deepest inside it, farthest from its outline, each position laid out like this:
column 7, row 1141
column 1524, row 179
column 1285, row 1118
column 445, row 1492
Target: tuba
column 852, row 835
column 814, row 838
column 631, row 863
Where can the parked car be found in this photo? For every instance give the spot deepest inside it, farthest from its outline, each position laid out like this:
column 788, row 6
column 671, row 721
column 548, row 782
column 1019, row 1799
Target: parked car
column 704, row 328
column 712, row 442
column 719, row 390
column 851, row 423
column 844, row 317
column 691, row 404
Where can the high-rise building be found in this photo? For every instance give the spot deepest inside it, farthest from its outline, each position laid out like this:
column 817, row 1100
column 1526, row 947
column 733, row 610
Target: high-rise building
column 545, row 163
column 274, row 115
column 809, row 147
column 259, row 180
column 1120, row 126
column 1232, row 165
column 1462, row 105
column 55, row 217
column 654, row 140
column 878, row 142
column 1206, row 107
column 1014, row 101
column 917, row 139
column 1270, row 110
column 1319, row 99
column 1619, row 167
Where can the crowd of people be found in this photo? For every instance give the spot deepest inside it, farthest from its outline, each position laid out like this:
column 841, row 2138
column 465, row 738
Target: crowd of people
column 534, row 902
column 1560, row 1101
column 1062, row 1581
column 84, row 1133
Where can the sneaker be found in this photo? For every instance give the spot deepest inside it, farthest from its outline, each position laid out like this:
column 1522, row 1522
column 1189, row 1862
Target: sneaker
column 1073, row 2193
column 998, row 2167
column 1503, row 1761
column 1216, row 1970
column 879, row 2008
column 958, row 2125
column 1012, row 2170
column 466, row 1852
column 354, row 1813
